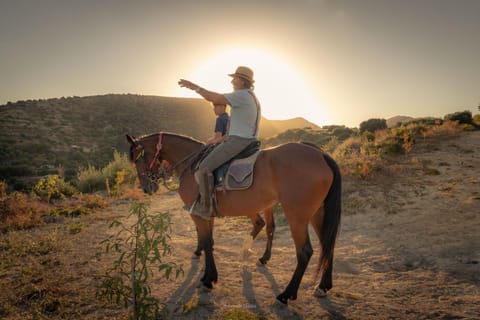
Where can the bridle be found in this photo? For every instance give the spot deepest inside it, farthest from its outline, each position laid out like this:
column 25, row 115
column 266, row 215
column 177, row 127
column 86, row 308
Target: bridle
column 149, row 173
column 160, row 173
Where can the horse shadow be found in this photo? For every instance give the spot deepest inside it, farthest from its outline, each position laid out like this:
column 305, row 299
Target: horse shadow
column 188, row 288
column 334, row 310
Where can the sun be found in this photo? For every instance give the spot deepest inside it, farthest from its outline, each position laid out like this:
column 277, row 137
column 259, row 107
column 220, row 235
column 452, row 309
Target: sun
column 281, row 90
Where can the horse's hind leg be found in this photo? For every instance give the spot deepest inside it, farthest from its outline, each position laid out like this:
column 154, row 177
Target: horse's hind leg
column 326, row 282
column 299, row 230
column 268, row 214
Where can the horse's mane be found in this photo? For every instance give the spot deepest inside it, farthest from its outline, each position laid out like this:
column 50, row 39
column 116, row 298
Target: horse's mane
column 181, row 136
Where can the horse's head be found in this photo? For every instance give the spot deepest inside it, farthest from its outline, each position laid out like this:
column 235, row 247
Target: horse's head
column 146, row 154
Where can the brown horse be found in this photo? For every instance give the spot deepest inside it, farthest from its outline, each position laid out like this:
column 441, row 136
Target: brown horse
column 302, row 178
column 257, row 221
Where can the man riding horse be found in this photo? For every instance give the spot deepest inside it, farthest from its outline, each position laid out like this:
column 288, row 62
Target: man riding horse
column 244, row 122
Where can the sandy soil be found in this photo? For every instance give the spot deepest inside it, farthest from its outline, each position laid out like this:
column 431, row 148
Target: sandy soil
column 409, row 248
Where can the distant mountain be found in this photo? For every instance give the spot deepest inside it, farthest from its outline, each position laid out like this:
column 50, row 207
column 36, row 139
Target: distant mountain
column 273, row 127
column 37, row 136
column 394, row 121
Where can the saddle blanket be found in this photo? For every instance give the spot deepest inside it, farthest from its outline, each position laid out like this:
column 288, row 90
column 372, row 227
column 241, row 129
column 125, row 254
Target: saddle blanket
column 239, row 175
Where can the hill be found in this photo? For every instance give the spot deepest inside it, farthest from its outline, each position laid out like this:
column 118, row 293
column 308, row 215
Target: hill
column 39, row 137
column 273, row 127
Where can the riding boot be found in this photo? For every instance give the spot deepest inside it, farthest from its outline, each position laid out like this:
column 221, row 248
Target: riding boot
column 205, row 184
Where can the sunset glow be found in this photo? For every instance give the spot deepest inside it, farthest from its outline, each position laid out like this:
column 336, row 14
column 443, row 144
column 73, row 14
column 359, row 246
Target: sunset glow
column 280, row 88
column 330, row 62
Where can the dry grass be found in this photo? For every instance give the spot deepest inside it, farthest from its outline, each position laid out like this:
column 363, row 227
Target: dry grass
column 391, row 230
column 20, row 211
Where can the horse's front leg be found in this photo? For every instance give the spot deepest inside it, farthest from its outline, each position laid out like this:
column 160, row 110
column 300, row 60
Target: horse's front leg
column 198, row 252
column 268, row 214
column 205, row 238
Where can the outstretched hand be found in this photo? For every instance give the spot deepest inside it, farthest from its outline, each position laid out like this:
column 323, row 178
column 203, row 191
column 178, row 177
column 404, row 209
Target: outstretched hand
column 187, row 84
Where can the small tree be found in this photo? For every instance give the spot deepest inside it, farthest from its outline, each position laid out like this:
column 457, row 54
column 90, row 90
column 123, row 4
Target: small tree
column 372, row 125
column 140, row 246
column 461, row 117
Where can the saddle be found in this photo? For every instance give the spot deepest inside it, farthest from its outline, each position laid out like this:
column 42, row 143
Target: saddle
column 237, row 173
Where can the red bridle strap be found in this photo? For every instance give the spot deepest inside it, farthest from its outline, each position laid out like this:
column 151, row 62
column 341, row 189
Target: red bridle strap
column 157, row 152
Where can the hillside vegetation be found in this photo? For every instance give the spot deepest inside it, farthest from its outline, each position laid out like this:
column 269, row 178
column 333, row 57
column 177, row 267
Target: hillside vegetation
column 76, row 136
column 41, row 137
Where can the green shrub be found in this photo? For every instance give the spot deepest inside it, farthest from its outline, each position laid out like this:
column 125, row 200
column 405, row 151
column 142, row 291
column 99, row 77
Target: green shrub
column 120, row 163
column 53, row 187
column 90, row 180
column 70, row 212
column 461, row 117
column 119, row 171
column 342, row 133
column 373, row 125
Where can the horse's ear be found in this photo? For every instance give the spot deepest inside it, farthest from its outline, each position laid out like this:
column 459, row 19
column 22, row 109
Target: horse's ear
column 131, row 139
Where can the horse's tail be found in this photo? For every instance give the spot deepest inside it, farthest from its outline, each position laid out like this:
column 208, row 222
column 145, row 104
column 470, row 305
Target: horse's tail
column 332, row 215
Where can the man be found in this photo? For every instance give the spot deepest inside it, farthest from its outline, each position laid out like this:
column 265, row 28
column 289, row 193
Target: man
column 245, row 117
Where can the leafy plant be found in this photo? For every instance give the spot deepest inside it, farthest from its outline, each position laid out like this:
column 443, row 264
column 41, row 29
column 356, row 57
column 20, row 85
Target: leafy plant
column 90, row 179
column 119, row 170
column 140, row 247
column 120, row 163
column 119, row 178
column 53, row 187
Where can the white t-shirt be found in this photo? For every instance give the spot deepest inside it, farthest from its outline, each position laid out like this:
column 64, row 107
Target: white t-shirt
column 243, row 113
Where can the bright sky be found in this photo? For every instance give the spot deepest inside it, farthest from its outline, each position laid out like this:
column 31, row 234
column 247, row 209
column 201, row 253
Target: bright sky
column 331, row 62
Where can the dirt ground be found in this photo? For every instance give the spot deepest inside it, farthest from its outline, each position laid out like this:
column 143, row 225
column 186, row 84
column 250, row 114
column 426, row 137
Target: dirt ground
column 408, row 248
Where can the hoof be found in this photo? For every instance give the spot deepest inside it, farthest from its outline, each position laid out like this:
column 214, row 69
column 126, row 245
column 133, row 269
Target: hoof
column 260, row 263
column 206, row 286
column 320, row 293
column 203, row 289
column 195, row 256
column 278, row 304
column 283, row 298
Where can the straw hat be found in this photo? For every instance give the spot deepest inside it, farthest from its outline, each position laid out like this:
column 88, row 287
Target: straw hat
column 243, row 72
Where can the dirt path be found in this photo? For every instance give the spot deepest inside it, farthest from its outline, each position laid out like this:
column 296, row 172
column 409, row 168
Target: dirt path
column 409, row 248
